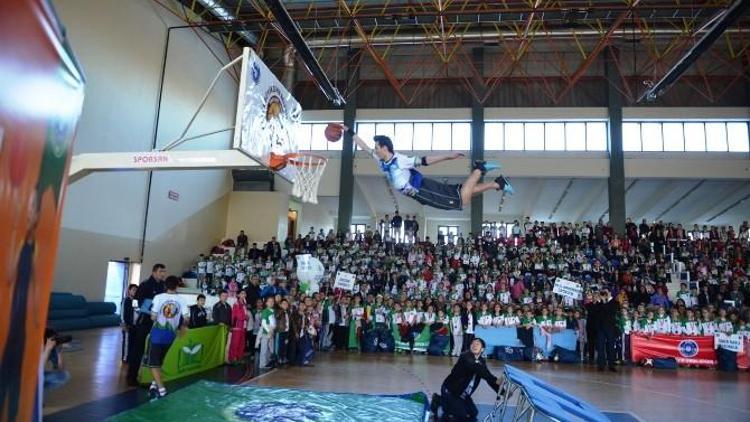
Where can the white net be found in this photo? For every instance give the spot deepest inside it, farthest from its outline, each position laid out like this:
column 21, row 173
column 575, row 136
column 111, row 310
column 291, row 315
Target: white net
column 309, row 169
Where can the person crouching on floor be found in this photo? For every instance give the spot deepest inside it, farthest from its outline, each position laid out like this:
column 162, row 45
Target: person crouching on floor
column 455, row 393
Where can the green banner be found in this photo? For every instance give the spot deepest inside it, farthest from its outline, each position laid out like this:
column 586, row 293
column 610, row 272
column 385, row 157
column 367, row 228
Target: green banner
column 198, row 350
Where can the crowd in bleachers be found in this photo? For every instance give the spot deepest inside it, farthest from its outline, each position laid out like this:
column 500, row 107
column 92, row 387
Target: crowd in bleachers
column 667, row 279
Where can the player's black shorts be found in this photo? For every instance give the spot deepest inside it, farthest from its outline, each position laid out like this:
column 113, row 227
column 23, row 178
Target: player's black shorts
column 155, row 354
column 439, row 195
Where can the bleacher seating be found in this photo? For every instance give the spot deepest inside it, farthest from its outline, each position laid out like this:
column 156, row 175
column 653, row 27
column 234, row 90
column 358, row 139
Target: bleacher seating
column 73, row 312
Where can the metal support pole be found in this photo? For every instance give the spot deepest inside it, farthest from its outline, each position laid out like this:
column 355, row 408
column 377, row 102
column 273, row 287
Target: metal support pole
column 346, row 181
column 616, row 181
column 477, row 141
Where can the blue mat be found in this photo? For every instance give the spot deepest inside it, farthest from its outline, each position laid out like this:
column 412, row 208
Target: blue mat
column 485, row 409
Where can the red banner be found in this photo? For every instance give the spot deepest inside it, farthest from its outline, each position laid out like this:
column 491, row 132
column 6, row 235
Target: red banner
column 688, row 350
column 743, row 358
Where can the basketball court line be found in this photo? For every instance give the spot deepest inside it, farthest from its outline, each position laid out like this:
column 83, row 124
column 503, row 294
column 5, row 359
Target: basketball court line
column 259, row 376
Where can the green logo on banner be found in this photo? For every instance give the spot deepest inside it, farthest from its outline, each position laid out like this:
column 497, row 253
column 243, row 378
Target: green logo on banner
column 190, row 355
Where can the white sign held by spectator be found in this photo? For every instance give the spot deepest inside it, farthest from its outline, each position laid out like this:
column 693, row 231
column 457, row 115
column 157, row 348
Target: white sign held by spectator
column 344, row 281
column 732, row 342
column 567, row 288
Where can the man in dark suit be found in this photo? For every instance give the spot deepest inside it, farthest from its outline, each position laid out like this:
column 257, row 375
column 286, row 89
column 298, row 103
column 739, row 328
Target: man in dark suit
column 253, row 290
column 144, row 295
column 592, row 321
column 606, row 330
column 455, row 393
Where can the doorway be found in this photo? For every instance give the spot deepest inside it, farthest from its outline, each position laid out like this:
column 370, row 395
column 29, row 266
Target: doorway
column 117, row 279
column 120, row 274
column 291, row 231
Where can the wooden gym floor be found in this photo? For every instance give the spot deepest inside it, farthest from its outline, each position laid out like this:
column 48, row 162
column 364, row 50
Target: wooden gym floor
column 97, row 387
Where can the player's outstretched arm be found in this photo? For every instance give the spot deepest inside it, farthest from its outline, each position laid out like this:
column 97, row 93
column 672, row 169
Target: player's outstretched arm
column 434, row 159
column 359, row 141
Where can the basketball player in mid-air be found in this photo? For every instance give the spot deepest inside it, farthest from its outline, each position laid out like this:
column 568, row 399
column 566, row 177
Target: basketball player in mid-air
column 402, row 174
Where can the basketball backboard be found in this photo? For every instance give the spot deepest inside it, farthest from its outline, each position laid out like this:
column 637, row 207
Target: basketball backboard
column 267, row 114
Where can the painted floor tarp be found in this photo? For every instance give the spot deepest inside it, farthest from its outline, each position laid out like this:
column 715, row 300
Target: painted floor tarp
column 210, row 401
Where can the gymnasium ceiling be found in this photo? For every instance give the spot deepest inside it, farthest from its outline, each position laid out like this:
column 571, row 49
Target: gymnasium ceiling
column 685, row 201
column 551, row 46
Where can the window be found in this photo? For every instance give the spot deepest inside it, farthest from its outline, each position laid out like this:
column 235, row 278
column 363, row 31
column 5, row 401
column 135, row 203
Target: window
column 716, row 137
column 554, row 136
column 673, row 137
column 651, row 137
column 403, row 133
column 631, row 137
column 596, row 136
column 737, row 137
column 534, row 133
column 318, row 142
column 447, row 234
column 514, row 136
column 537, row 135
column 441, row 136
column 690, row 136
column 497, row 230
column 385, row 129
column 695, row 137
column 422, row 136
column 494, row 137
column 304, row 133
column 575, row 136
column 357, row 228
column 366, row 131
column 461, row 136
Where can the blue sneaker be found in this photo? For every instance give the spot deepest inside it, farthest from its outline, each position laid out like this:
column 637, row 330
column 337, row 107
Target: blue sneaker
column 485, row 166
column 505, row 185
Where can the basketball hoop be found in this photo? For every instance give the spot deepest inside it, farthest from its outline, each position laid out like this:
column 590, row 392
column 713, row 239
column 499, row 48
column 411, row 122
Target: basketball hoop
column 308, row 169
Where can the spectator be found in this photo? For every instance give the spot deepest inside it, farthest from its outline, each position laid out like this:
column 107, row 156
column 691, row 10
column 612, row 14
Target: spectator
column 252, row 290
column 57, row 376
column 241, row 243
column 144, row 296
column 198, row 314
column 396, row 223
column 659, row 298
column 266, row 334
column 606, row 330
column 238, row 327
column 128, row 322
column 222, row 311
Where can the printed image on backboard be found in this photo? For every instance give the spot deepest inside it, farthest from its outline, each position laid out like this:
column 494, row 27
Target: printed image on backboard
column 267, row 114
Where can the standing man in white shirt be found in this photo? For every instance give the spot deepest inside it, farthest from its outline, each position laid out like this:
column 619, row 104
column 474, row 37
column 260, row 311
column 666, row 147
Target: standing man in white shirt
column 169, row 313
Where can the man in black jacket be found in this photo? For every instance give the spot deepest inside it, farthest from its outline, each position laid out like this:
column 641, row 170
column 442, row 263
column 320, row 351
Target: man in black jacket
column 222, row 311
column 606, row 330
column 198, row 314
column 128, row 322
column 456, row 391
column 253, row 290
column 144, row 295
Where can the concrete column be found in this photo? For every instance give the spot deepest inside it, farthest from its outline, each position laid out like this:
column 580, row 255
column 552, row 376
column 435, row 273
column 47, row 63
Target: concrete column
column 616, row 181
column 477, row 141
column 346, row 184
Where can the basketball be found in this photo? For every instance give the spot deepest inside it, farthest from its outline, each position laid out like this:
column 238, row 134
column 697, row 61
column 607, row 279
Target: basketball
column 333, row 132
